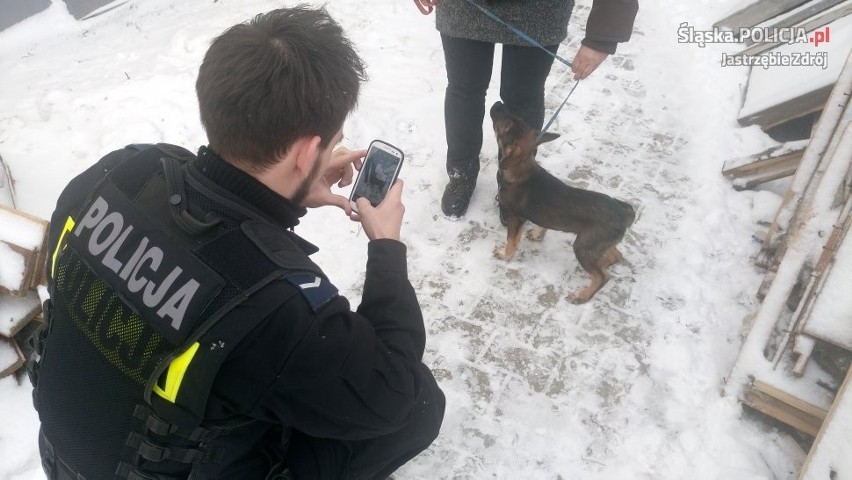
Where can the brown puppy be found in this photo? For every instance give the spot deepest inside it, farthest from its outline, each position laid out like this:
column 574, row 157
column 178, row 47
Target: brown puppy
column 528, row 192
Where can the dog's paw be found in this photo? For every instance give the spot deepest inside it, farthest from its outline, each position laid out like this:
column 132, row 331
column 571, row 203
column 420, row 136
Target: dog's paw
column 578, row 298
column 500, row 252
column 536, row 234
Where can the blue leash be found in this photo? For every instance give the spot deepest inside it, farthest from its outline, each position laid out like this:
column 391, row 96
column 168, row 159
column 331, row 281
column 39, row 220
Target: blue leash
column 523, row 36
column 555, row 114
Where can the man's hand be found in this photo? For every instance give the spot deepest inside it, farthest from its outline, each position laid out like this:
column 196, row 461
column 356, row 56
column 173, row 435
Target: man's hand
column 384, row 221
column 586, row 61
column 339, row 171
column 426, row 6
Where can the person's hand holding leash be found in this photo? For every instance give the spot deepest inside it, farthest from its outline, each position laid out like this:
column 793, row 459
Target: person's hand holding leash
column 586, row 61
column 337, row 171
column 426, row 6
column 384, row 221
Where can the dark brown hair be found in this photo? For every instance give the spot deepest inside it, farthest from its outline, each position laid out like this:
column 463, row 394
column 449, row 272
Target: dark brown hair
column 283, row 75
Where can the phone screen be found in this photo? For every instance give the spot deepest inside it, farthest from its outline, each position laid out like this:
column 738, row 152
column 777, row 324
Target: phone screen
column 377, row 176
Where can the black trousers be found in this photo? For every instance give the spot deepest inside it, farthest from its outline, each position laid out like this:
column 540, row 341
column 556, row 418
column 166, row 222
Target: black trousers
column 469, row 63
column 376, row 458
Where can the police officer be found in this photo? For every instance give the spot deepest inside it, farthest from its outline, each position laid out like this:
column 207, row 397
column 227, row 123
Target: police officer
column 189, row 334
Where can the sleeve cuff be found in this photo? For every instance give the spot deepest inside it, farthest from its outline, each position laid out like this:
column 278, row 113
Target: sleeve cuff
column 601, row 46
column 387, row 255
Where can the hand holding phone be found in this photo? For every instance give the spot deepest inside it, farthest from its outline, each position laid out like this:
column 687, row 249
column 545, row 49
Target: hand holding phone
column 337, row 171
column 378, row 173
column 384, row 221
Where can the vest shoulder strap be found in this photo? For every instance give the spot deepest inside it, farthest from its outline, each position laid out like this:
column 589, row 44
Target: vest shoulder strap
column 255, row 258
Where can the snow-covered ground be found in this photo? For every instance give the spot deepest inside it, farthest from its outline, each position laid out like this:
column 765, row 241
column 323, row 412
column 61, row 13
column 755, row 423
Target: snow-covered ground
column 627, row 386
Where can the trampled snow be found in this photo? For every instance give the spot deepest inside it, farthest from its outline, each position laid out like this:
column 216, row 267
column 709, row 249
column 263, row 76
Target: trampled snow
column 624, row 387
column 764, row 206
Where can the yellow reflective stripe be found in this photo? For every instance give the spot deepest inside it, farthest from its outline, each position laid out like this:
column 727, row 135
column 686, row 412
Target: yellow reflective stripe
column 175, row 373
column 69, row 225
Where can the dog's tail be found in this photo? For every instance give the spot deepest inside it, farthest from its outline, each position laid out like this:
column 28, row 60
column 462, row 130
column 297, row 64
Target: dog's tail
column 627, row 213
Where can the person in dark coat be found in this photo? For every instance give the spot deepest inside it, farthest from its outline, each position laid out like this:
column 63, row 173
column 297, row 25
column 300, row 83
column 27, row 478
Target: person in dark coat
column 218, row 349
column 468, row 37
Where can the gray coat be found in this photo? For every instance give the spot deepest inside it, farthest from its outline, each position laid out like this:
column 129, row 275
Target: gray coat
column 610, row 21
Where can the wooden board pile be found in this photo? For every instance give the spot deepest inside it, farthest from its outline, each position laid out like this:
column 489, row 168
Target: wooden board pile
column 23, row 255
column 794, row 365
column 798, row 76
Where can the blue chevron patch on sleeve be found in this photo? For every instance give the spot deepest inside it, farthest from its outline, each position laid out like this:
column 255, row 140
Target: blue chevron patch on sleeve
column 317, row 290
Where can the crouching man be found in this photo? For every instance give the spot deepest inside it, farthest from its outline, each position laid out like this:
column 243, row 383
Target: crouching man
column 189, row 334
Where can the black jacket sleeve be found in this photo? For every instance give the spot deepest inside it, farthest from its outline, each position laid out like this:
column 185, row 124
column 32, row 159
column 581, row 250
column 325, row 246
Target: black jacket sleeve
column 354, row 375
column 389, row 301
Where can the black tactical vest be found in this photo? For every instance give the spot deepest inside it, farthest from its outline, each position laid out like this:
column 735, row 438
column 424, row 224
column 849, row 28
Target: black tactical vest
column 144, row 282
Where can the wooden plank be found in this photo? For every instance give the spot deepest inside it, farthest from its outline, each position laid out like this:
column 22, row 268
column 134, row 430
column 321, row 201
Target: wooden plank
column 7, row 184
column 803, row 348
column 801, row 106
column 16, row 268
column 829, row 456
column 762, row 164
column 16, row 312
column 11, row 358
column 810, row 314
column 778, row 93
column 784, row 407
column 765, row 170
column 25, row 215
column 754, row 162
column 22, row 236
column 39, row 275
column 765, row 177
column 829, row 307
column 809, row 25
column 815, row 285
column 757, row 12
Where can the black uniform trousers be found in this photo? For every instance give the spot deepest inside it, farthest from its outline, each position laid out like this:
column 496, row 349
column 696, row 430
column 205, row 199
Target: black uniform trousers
column 469, row 64
column 315, row 458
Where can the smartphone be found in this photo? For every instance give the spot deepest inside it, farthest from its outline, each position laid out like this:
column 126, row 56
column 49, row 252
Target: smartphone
column 378, row 172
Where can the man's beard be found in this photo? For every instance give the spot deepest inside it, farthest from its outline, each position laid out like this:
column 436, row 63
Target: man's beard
column 305, row 186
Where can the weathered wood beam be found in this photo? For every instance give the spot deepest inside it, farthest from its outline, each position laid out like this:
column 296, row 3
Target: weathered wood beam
column 29, row 249
column 785, row 408
column 837, row 113
column 11, row 358
column 764, row 167
column 801, row 106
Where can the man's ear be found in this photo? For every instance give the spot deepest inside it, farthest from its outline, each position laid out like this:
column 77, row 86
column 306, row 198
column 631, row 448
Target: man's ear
column 548, row 137
column 305, row 151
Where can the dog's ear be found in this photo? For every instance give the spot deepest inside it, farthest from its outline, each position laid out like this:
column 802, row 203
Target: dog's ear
column 548, row 137
column 508, row 151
